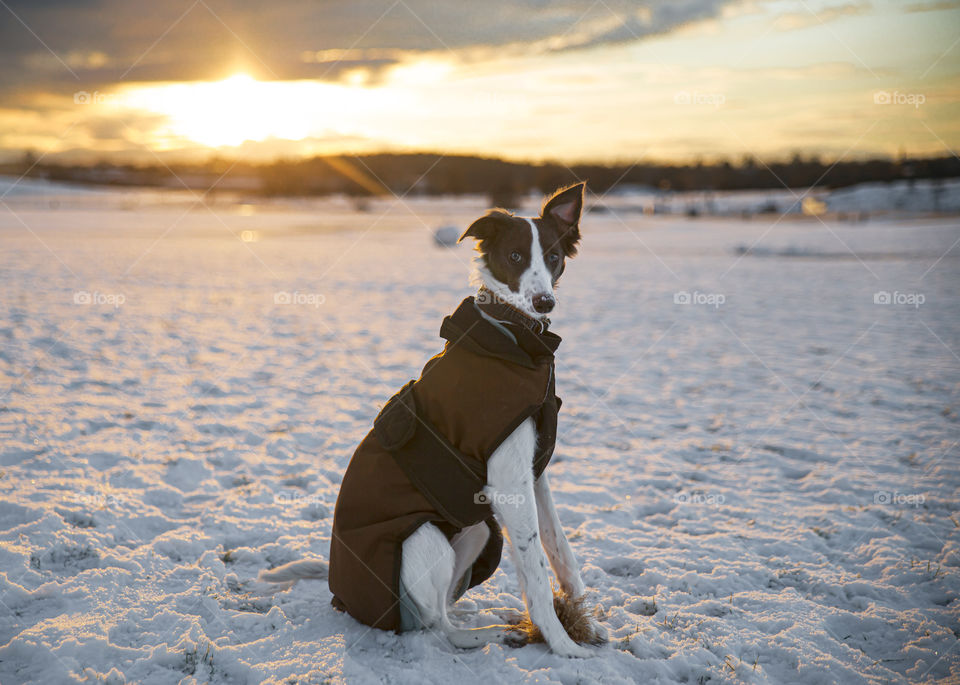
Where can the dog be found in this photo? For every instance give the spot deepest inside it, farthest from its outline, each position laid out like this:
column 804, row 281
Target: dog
column 408, row 539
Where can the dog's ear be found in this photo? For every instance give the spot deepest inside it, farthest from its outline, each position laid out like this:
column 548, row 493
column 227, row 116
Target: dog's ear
column 565, row 207
column 487, row 226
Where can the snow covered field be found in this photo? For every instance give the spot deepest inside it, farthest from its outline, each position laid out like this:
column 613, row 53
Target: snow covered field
column 757, row 461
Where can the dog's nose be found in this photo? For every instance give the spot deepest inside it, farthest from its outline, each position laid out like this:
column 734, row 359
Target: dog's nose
column 543, row 304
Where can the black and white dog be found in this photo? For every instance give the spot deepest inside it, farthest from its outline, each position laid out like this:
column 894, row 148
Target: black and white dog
column 519, row 261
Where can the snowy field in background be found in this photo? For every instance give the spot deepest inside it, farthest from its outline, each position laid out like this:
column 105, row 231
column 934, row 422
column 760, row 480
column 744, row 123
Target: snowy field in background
column 757, row 461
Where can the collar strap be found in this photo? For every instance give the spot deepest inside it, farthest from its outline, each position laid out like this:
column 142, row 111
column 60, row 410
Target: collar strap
column 490, row 303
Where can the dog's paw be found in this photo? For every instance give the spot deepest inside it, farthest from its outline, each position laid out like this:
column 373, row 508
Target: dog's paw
column 596, row 633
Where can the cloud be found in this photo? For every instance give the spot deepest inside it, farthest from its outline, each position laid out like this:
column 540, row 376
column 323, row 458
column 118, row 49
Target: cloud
column 934, row 6
column 104, row 41
column 801, row 20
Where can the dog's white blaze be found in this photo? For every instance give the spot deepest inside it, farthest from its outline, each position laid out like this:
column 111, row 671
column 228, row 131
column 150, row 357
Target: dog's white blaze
column 536, row 280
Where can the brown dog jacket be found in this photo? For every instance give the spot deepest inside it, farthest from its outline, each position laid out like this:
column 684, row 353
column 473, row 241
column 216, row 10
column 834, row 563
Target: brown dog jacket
column 425, row 460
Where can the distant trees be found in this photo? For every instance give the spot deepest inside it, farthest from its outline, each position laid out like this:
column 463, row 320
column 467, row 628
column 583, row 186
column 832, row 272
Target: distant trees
column 503, row 181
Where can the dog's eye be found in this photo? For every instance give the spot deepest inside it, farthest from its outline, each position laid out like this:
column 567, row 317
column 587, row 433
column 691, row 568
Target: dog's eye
column 516, row 256
column 554, row 258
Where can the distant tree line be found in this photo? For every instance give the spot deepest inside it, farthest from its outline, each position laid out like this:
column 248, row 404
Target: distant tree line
column 503, row 181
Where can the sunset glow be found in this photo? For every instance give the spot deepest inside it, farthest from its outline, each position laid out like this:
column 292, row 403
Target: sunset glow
column 602, row 85
column 240, row 108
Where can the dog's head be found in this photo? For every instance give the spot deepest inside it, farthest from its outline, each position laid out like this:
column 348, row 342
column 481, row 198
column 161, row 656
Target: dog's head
column 520, row 259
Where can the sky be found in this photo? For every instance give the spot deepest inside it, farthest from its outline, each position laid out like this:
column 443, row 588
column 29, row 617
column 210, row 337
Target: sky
column 567, row 80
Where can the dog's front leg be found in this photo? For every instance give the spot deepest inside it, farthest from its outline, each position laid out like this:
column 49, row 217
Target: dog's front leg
column 558, row 549
column 511, row 492
column 555, row 541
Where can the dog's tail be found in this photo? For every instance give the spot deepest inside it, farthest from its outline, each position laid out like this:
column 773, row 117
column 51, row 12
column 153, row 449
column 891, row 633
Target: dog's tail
column 289, row 574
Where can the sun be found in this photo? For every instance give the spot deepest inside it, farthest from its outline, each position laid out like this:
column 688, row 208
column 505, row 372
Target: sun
column 227, row 112
column 317, row 116
column 240, row 108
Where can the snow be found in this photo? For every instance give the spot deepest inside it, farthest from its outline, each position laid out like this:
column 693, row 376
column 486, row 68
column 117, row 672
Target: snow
column 761, row 487
column 904, row 198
